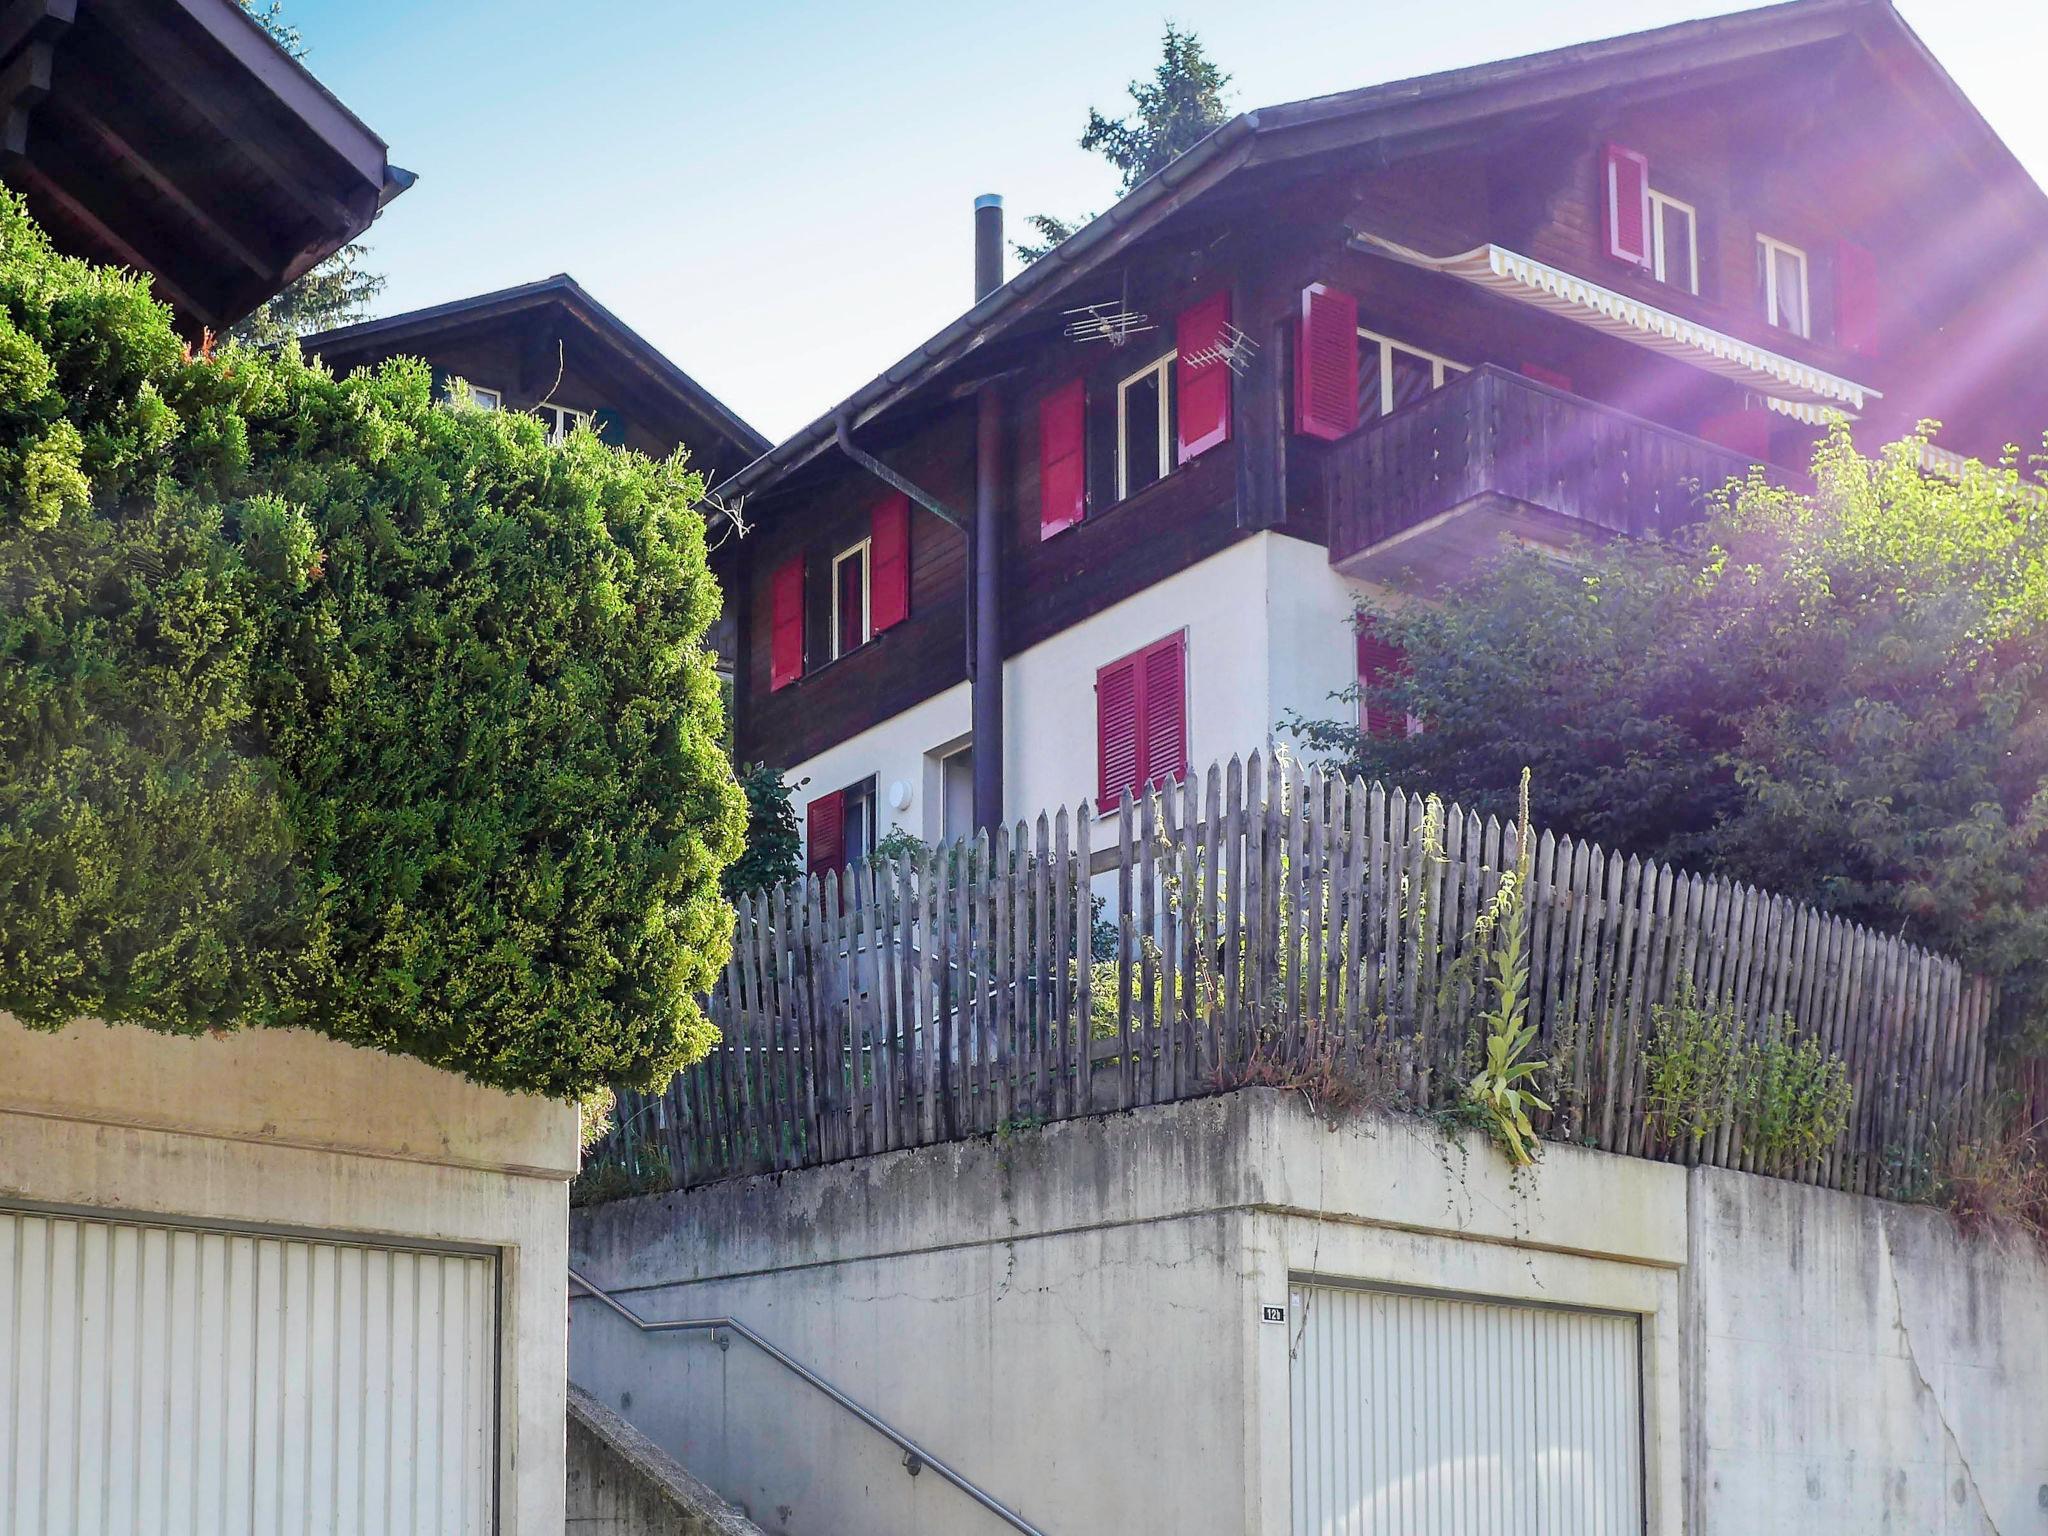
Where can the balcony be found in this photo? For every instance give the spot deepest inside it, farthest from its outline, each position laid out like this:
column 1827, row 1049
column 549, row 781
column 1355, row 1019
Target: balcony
column 1493, row 458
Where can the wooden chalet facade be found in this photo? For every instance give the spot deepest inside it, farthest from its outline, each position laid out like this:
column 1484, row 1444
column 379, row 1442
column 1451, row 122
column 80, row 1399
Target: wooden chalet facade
column 1547, row 298
column 550, row 348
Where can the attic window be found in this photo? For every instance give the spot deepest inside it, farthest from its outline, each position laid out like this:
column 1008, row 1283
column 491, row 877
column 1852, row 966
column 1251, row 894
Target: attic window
column 1783, row 279
column 1674, row 242
column 560, row 420
column 485, row 398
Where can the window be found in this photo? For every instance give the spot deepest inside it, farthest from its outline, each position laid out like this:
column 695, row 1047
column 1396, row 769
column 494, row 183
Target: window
column 560, row 420
column 1144, row 426
column 956, row 794
column 1141, row 729
column 850, row 629
column 839, row 828
column 1392, row 374
column 1674, row 242
column 484, row 398
column 1784, row 285
column 1379, row 664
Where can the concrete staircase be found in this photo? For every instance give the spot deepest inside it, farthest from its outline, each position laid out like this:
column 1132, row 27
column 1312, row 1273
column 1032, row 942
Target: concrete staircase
column 622, row 1484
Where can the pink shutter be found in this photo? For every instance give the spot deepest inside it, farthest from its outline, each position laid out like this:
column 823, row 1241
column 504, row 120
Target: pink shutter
column 1550, row 376
column 1626, row 177
column 825, row 833
column 1856, row 298
column 1746, row 431
column 786, row 623
column 1379, row 663
column 1203, row 391
column 1062, row 458
column 889, row 564
column 1164, row 701
column 1326, row 363
column 1117, row 758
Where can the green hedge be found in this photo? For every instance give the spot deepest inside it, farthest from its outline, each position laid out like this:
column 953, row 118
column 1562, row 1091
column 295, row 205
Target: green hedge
column 322, row 706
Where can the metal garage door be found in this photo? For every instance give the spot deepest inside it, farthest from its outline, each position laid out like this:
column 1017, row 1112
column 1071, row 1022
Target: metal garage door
column 1425, row 1415
column 170, row 1379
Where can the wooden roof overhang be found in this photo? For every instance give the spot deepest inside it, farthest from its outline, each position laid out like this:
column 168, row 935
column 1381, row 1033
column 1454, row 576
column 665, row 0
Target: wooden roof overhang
column 555, row 309
column 1229, row 173
column 177, row 138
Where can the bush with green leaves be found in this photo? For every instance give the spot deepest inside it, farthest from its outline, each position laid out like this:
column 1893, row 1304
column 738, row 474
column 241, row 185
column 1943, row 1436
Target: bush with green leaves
column 323, row 706
column 1839, row 695
column 773, row 852
column 1787, row 1095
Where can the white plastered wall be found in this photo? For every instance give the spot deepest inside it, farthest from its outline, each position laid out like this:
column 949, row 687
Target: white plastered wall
column 1268, row 631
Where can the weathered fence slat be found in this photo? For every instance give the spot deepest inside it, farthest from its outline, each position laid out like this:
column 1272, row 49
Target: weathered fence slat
column 1266, row 914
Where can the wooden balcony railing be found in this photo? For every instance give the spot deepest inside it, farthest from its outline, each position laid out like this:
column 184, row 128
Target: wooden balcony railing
column 1491, row 435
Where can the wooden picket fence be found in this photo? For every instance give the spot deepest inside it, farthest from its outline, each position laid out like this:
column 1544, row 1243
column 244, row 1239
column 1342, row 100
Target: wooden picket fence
column 1275, row 926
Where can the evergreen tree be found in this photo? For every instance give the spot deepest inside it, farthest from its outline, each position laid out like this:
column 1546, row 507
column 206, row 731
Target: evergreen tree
column 1176, row 109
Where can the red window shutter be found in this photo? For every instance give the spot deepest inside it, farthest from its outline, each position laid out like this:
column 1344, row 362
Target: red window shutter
column 1163, row 686
column 1379, row 663
column 825, row 833
column 1550, row 376
column 1626, row 177
column 1062, row 458
column 889, row 564
column 1326, row 363
column 1747, row 432
column 1856, row 298
column 786, row 623
column 1117, row 755
column 1203, row 392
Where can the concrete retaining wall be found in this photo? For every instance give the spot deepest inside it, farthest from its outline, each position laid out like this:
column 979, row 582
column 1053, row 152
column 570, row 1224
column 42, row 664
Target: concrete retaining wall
column 1072, row 1316
column 622, row 1484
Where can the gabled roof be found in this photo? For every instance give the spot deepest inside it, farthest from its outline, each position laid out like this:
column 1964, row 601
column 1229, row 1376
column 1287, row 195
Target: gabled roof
column 1431, row 108
column 394, row 333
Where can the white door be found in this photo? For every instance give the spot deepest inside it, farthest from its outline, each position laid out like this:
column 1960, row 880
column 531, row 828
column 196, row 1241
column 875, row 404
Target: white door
column 1426, row 1415
column 187, row 1381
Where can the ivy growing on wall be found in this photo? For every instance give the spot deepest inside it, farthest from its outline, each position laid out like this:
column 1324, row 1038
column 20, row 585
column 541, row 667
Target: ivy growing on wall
column 322, row 706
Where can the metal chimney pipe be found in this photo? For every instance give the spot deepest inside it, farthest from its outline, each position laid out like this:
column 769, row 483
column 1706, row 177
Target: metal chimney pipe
column 988, row 245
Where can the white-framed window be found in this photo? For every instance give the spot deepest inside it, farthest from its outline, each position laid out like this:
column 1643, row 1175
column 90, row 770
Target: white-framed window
column 1784, row 285
column 1674, row 242
column 956, row 793
column 1144, row 426
column 483, row 397
column 1392, row 374
column 850, row 615
column 560, row 420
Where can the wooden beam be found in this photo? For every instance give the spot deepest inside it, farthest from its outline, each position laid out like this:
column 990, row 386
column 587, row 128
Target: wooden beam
column 21, row 172
column 84, row 112
column 185, row 73
column 27, row 21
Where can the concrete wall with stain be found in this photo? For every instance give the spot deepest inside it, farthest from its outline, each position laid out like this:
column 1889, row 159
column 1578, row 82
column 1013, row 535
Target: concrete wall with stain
column 1073, row 1317
column 1859, row 1367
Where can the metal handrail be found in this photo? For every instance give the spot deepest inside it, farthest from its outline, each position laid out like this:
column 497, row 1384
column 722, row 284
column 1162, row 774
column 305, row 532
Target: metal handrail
column 915, row 1456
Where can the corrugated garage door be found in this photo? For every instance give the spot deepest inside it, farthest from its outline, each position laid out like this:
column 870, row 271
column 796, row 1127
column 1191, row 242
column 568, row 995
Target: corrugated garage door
column 1421, row 1415
column 168, row 1379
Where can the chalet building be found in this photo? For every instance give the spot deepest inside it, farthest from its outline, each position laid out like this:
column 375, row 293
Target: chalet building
column 1349, row 345
column 551, row 349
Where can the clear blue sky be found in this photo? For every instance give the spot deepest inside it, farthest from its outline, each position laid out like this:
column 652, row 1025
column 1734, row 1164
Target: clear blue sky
column 778, row 195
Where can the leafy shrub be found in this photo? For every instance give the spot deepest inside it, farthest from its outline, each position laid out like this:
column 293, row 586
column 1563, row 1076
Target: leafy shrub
column 1837, row 696
column 773, row 852
column 1789, row 1096
column 323, row 707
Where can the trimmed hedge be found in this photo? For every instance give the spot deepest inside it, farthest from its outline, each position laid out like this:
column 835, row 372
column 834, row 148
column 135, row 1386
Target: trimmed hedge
column 324, row 706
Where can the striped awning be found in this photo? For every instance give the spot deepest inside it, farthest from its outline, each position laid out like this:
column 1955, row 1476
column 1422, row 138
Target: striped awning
column 1790, row 387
